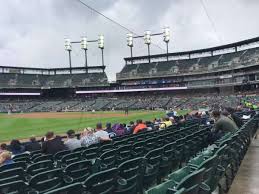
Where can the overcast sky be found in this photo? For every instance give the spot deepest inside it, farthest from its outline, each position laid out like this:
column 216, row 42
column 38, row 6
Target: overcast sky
column 32, row 31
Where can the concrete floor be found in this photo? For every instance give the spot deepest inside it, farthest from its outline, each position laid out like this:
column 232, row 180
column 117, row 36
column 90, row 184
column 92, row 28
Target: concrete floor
column 247, row 178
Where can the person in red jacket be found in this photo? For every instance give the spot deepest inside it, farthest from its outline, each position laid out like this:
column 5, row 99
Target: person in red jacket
column 139, row 127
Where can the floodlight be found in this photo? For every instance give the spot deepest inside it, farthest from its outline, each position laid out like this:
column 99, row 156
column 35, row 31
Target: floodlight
column 68, row 45
column 101, row 41
column 147, row 37
column 166, row 33
column 84, row 43
column 130, row 39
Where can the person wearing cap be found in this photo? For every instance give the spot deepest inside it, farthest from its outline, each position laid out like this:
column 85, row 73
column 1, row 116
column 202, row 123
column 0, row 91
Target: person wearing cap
column 88, row 137
column 72, row 141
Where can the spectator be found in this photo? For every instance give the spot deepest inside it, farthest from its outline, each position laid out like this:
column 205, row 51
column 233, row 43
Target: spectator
column 52, row 144
column 88, row 137
column 6, row 158
column 130, row 127
column 223, row 124
column 139, row 127
column 72, row 141
column 118, row 129
column 235, row 118
column 3, row 147
column 33, row 145
column 109, row 127
column 101, row 134
column 166, row 123
column 16, row 147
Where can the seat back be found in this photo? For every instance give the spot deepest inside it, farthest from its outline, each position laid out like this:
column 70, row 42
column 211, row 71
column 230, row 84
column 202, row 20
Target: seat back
column 132, row 171
column 102, row 182
column 79, row 171
column 90, row 153
column 15, row 187
column 43, row 157
column 22, row 165
column 108, row 159
column 74, row 188
column 11, row 175
column 60, row 154
column 70, row 158
column 47, row 181
column 191, row 180
column 39, row 167
column 124, row 153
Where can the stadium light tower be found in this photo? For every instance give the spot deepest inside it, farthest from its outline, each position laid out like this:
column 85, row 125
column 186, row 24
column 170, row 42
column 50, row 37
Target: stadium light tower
column 101, row 46
column 68, row 47
column 147, row 40
column 84, row 45
column 130, row 44
column 166, row 34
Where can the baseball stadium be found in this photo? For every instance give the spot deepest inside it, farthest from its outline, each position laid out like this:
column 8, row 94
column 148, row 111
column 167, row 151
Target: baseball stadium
column 181, row 122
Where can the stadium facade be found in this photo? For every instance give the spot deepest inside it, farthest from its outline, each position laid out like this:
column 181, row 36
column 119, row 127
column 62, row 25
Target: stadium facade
column 225, row 69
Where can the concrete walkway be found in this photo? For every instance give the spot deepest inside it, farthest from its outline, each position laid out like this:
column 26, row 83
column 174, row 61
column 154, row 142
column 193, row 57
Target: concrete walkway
column 247, row 178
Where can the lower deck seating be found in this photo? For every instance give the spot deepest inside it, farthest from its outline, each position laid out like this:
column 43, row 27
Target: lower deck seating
column 130, row 164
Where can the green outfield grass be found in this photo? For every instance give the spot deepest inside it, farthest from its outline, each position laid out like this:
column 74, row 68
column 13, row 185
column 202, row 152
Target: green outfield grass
column 21, row 128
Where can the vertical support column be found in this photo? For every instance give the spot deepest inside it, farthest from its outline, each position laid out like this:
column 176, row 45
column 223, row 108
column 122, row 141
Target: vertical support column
column 70, row 64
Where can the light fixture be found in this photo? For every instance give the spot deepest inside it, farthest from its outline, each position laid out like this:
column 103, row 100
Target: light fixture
column 147, row 37
column 101, row 42
column 166, row 34
column 68, row 45
column 84, row 43
column 130, row 39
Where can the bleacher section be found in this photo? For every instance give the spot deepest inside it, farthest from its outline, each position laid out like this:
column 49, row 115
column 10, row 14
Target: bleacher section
column 190, row 66
column 175, row 160
column 128, row 164
column 12, row 80
column 151, row 102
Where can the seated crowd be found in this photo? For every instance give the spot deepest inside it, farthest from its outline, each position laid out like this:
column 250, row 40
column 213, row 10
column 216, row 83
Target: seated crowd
column 225, row 121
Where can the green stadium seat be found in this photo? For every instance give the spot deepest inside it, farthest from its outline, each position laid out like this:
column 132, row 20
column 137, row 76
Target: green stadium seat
column 90, row 153
column 47, row 181
column 43, row 158
column 172, row 160
column 80, row 149
column 102, row 182
column 16, row 187
column 79, row 171
column 57, row 157
column 139, row 149
column 124, row 153
column 190, row 182
column 153, row 159
column 10, row 175
column 107, row 160
column 22, row 165
column 22, row 158
column 35, row 152
column 39, row 167
column 75, row 188
column 70, row 158
column 132, row 171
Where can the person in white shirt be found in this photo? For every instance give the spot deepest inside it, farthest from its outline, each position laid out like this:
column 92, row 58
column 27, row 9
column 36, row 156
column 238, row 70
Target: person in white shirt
column 101, row 134
column 72, row 142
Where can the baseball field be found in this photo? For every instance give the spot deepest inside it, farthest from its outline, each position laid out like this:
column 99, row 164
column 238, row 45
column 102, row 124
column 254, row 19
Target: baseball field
column 23, row 125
